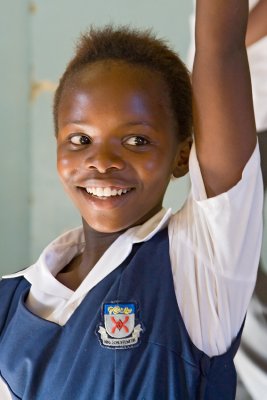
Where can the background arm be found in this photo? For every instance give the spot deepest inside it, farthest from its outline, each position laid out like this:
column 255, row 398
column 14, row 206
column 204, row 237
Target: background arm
column 257, row 23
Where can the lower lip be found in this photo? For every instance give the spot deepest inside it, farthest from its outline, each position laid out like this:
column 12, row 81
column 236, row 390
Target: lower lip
column 105, row 203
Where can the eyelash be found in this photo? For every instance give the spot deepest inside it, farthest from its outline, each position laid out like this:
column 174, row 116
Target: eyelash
column 79, row 139
column 83, row 140
column 138, row 141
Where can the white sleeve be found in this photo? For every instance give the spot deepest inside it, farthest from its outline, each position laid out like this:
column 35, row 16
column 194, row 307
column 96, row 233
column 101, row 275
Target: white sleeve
column 4, row 391
column 214, row 249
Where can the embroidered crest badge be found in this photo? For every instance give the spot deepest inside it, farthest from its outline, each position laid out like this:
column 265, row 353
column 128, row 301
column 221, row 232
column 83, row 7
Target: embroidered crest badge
column 120, row 330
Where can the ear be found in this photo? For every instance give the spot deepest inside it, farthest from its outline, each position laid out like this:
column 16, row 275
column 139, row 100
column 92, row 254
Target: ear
column 182, row 158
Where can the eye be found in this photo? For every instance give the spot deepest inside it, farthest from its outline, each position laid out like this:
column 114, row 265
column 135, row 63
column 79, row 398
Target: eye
column 137, row 141
column 80, row 139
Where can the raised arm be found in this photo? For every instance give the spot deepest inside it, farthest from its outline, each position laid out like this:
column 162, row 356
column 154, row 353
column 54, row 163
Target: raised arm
column 257, row 23
column 224, row 128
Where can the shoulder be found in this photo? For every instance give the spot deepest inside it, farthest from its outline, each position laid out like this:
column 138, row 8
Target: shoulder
column 10, row 292
column 8, row 286
column 251, row 174
column 209, row 228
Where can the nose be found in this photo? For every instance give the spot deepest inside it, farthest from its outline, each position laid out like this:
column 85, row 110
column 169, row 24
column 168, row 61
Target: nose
column 104, row 157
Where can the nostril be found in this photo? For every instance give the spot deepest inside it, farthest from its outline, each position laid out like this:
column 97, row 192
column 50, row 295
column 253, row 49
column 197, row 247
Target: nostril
column 104, row 164
column 103, row 170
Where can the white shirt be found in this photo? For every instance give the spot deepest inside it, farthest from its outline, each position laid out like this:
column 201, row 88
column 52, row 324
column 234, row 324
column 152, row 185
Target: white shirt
column 214, row 251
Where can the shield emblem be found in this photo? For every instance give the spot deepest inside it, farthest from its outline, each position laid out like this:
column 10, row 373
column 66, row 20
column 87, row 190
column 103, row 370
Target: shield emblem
column 119, row 319
column 120, row 329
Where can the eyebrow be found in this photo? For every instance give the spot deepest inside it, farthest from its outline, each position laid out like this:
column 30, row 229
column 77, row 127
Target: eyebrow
column 141, row 122
column 129, row 123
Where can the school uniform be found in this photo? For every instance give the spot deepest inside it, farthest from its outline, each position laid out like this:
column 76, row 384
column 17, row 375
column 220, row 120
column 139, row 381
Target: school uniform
column 159, row 315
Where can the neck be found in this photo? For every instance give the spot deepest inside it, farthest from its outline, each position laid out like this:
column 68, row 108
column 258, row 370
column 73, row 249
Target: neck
column 96, row 243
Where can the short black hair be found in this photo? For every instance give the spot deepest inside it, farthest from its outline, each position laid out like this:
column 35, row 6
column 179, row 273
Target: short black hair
column 137, row 47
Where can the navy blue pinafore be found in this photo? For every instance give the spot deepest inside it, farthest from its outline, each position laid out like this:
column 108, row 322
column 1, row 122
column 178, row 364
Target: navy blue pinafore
column 126, row 341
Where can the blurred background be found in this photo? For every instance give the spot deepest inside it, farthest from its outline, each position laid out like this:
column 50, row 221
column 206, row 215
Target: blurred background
column 37, row 40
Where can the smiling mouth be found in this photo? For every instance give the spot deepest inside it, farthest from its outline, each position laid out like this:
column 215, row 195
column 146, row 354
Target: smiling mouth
column 106, row 192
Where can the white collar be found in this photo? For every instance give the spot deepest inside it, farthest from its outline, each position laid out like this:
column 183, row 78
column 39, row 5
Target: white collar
column 62, row 250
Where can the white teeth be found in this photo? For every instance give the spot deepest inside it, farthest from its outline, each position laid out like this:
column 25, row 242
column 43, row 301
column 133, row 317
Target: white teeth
column 106, row 192
column 100, row 192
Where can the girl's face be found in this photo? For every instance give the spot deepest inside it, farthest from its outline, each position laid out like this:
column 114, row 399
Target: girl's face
column 117, row 146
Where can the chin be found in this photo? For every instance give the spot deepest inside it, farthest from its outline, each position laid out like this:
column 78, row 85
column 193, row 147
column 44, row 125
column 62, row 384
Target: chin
column 104, row 227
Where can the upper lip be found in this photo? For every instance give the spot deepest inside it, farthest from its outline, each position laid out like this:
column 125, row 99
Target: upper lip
column 110, row 179
column 104, row 183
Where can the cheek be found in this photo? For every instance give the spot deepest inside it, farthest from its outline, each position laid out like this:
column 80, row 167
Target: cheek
column 149, row 166
column 159, row 166
column 65, row 166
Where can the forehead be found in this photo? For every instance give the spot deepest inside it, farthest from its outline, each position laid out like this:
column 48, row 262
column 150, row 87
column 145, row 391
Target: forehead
column 118, row 72
column 117, row 85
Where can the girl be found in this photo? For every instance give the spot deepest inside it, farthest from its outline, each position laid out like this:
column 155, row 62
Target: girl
column 140, row 304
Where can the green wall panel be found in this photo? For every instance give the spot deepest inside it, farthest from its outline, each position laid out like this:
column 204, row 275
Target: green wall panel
column 15, row 137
